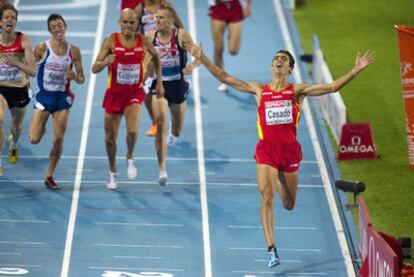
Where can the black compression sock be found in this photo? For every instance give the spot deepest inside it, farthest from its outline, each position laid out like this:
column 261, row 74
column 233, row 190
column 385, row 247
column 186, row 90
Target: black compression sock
column 270, row 248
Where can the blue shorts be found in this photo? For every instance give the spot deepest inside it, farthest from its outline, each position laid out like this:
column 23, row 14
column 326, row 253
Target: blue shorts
column 52, row 101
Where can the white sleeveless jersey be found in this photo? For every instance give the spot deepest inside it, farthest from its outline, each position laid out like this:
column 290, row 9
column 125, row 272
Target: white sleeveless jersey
column 51, row 74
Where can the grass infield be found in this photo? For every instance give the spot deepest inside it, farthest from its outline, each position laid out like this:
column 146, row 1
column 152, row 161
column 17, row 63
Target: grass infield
column 345, row 27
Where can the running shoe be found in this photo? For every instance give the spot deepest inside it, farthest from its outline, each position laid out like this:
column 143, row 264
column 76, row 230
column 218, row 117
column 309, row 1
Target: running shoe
column 132, row 169
column 112, row 181
column 273, row 257
column 163, row 179
column 13, row 151
column 171, row 139
column 152, row 131
column 222, row 87
column 51, row 184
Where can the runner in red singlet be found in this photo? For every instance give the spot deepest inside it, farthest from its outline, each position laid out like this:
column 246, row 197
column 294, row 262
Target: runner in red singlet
column 17, row 63
column 123, row 53
column 227, row 14
column 278, row 152
column 130, row 4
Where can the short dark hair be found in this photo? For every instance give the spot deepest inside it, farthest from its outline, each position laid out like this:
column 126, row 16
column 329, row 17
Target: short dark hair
column 291, row 58
column 170, row 10
column 53, row 17
column 8, row 7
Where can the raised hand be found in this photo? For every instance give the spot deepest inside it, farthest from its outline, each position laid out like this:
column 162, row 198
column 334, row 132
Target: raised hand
column 361, row 62
column 196, row 51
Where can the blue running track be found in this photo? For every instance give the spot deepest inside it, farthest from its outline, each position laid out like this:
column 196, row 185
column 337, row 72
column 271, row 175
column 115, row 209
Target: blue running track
column 206, row 221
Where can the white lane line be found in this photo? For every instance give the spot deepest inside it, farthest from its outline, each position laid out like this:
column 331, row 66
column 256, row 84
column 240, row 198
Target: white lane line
column 138, row 268
column 200, row 149
column 318, row 152
column 77, row 34
column 22, row 242
column 223, row 160
column 83, row 143
column 150, row 182
column 139, row 224
column 137, row 258
column 137, row 246
column 277, row 228
column 10, row 253
column 24, row 221
column 279, row 249
column 20, row 265
column 284, row 273
column 64, row 6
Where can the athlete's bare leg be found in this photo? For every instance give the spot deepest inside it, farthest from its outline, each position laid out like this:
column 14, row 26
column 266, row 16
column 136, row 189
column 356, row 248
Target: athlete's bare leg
column 112, row 123
column 160, row 107
column 16, row 125
column 234, row 37
column 3, row 109
column 217, row 30
column 132, row 118
column 288, row 188
column 60, row 121
column 267, row 177
column 37, row 125
column 177, row 118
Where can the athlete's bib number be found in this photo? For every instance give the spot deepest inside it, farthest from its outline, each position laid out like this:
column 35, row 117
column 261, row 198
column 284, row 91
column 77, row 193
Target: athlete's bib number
column 127, row 74
column 10, row 74
column 278, row 112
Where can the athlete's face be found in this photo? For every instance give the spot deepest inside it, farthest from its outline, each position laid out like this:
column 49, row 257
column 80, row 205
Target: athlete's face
column 8, row 21
column 128, row 22
column 280, row 63
column 164, row 20
column 57, row 29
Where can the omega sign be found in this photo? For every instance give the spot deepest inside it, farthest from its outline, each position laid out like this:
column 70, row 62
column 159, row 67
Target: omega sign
column 381, row 259
column 356, row 142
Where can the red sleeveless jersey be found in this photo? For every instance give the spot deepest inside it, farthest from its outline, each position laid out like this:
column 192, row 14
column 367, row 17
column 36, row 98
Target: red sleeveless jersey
column 278, row 115
column 126, row 72
column 12, row 76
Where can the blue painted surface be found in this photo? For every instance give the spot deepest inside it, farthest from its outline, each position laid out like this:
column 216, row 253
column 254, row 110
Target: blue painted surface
column 142, row 227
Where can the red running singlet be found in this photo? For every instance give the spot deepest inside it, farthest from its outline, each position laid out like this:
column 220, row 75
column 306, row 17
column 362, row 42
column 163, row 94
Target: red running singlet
column 125, row 76
column 278, row 117
column 126, row 72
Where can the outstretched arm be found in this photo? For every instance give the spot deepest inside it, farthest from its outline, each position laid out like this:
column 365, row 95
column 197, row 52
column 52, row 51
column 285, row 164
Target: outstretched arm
column 183, row 36
column 361, row 62
column 247, row 11
column 220, row 74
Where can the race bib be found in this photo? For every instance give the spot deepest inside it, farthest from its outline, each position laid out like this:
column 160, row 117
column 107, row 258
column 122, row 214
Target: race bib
column 9, row 74
column 278, row 112
column 127, row 74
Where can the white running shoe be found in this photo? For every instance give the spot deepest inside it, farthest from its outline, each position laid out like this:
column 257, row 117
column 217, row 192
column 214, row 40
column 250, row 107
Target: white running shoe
column 112, row 181
column 163, row 179
column 222, row 87
column 273, row 257
column 171, row 139
column 132, row 169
